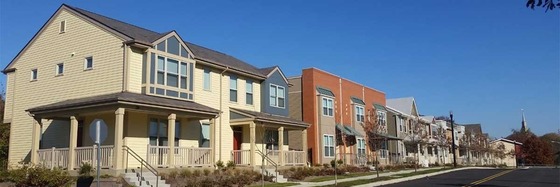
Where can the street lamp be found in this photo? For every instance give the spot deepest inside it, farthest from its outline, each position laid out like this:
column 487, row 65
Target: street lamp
column 453, row 139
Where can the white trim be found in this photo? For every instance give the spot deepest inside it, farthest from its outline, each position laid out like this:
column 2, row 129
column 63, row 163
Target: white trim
column 280, row 71
column 356, row 106
column 277, row 98
column 173, row 33
column 322, row 111
column 325, row 145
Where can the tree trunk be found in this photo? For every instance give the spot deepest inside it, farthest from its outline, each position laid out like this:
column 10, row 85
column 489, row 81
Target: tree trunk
column 377, row 164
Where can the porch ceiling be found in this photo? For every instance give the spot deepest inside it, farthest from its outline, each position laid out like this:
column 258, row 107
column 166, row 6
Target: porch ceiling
column 267, row 118
column 123, row 99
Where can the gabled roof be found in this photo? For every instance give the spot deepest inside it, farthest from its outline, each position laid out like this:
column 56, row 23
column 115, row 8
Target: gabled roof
column 147, row 37
column 428, row 118
column 406, row 105
column 473, row 128
column 270, row 70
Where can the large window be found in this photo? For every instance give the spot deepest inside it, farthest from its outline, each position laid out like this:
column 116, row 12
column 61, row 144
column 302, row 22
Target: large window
column 249, row 92
column 158, row 132
column 204, row 135
column 327, row 106
column 359, row 113
column 381, row 117
column 170, row 70
column 206, row 80
column 277, row 96
column 361, row 144
column 328, row 142
column 271, row 139
column 232, row 88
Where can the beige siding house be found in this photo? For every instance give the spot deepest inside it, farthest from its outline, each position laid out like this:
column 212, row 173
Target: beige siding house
column 156, row 93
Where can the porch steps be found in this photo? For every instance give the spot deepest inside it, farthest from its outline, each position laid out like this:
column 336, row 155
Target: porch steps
column 272, row 172
column 148, row 179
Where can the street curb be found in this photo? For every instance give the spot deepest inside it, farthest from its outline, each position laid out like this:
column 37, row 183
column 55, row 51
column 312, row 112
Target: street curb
column 393, row 181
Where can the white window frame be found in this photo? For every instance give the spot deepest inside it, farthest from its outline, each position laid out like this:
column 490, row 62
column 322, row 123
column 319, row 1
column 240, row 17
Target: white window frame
column 57, row 68
column 328, row 145
column 361, row 145
column 383, row 153
column 86, row 63
column 276, row 96
column 359, row 110
column 236, row 89
column 329, row 108
column 34, row 74
column 382, row 118
column 62, row 27
column 400, row 121
column 207, row 79
column 249, row 84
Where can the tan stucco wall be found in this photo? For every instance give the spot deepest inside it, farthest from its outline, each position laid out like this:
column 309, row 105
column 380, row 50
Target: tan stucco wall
column 50, row 48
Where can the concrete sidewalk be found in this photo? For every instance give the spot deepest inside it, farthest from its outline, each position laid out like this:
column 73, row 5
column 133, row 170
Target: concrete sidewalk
column 392, row 181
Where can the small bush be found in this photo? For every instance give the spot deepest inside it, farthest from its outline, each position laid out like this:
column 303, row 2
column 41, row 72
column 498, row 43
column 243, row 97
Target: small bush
column 85, row 170
column 38, row 176
column 230, row 164
column 220, row 164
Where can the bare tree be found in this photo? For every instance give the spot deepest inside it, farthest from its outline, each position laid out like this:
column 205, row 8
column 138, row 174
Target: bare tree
column 416, row 136
column 442, row 142
column 374, row 132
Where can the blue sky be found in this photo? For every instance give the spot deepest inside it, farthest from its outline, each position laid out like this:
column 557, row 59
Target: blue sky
column 485, row 60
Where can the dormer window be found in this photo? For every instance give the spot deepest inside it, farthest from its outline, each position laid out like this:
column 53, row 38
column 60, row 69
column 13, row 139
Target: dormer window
column 62, row 26
column 173, row 46
column 359, row 113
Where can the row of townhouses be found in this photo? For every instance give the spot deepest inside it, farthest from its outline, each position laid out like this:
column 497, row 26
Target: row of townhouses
column 167, row 102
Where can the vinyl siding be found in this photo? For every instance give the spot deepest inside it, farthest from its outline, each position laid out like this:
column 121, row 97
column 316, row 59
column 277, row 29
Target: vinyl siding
column 50, row 48
column 135, row 70
column 212, row 99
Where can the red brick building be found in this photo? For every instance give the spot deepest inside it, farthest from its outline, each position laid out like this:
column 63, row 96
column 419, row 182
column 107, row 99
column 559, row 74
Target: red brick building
column 329, row 102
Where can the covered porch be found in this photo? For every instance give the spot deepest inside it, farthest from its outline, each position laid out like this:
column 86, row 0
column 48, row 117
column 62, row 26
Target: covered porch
column 264, row 137
column 141, row 129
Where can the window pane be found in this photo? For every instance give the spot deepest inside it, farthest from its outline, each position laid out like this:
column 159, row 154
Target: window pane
column 161, row 63
column 153, row 128
column 172, row 66
column 272, row 91
column 191, row 72
column 172, row 80
column 233, row 83
column 280, row 92
column 207, row 79
column 184, row 69
column 173, row 46
column 161, row 46
column 172, row 93
column 160, row 78
column 272, row 101
column 233, row 95
column 152, row 68
column 280, row 102
column 183, row 82
column 249, row 98
column 184, row 52
column 249, row 86
column 160, row 91
column 162, row 129
column 177, row 129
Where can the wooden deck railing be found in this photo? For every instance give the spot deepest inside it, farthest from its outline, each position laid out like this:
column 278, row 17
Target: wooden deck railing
column 53, row 157
column 292, row 158
column 184, row 156
column 89, row 155
column 241, row 157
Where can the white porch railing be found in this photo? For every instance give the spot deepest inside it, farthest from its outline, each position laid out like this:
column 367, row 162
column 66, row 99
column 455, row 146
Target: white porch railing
column 191, row 156
column 54, row 157
column 184, row 156
column 89, row 155
column 295, row 158
column 241, row 157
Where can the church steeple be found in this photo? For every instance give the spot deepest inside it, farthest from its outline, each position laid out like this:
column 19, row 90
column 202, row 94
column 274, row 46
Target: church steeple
column 523, row 122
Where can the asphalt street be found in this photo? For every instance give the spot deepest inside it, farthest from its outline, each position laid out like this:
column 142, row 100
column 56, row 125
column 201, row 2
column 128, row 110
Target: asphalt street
column 541, row 177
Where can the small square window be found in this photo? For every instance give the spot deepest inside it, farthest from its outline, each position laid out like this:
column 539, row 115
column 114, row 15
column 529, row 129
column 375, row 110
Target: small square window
column 33, row 74
column 62, row 26
column 60, row 69
column 88, row 63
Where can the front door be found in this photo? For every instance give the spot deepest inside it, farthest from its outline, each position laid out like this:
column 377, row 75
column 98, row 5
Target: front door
column 237, row 140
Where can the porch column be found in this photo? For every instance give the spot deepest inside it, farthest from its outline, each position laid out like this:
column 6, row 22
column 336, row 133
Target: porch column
column 118, row 149
column 252, row 142
column 36, row 138
column 281, row 146
column 171, row 140
column 73, row 142
column 304, row 144
column 212, row 141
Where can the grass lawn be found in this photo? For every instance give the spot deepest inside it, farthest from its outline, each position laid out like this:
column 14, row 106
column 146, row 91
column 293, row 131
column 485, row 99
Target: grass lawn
column 366, row 181
column 331, row 177
column 275, row 184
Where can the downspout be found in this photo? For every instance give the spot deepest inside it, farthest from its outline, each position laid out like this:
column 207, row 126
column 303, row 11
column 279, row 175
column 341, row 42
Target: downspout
column 221, row 110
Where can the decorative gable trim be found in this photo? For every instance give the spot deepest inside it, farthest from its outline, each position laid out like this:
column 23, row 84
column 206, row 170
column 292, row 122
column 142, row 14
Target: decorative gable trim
column 279, row 71
column 175, row 34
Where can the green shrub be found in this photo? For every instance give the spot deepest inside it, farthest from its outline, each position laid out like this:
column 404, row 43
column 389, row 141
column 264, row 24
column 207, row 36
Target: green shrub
column 230, row 164
column 220, row 164
column 85, row 170
column 38, row 176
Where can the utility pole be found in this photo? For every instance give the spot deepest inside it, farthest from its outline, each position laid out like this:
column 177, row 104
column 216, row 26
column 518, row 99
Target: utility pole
column 453, row 139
